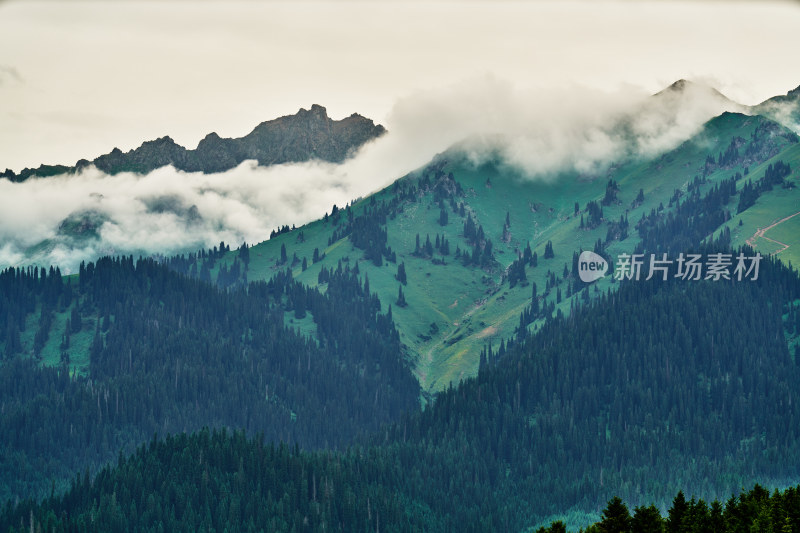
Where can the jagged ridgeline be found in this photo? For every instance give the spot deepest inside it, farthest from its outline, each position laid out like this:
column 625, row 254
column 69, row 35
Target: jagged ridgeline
column 164, row 353
column 309, row 134
column 651, row 389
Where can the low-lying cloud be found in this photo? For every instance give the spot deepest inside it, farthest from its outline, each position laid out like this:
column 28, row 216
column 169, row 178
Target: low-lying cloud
column 66, row 219
column 543, row 132
column 69, row 218
column 787, row 113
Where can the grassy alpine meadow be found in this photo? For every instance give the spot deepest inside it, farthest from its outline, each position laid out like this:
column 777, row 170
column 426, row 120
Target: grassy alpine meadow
column 771, row 213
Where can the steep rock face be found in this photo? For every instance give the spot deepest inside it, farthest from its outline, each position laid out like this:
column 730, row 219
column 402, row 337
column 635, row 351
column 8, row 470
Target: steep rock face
column 213, row 154
column 150, row 155
column 309, row 134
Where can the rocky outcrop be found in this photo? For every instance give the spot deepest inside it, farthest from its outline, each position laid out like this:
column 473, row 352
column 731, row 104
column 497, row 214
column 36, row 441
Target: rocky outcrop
column 309, row 134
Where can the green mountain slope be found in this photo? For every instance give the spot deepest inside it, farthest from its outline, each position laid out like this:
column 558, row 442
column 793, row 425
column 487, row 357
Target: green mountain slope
column 454, row 310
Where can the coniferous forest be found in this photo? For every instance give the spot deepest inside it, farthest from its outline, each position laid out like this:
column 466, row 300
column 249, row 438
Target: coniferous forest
column 615, row 395
column 219, row 481
column 172, row 354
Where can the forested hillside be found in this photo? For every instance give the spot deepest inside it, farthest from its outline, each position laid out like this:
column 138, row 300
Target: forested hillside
column 171, row 354
column 223, row 481
column 605, row 401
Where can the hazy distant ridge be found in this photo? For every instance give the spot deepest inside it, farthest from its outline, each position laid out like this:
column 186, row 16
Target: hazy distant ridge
column 309, row 134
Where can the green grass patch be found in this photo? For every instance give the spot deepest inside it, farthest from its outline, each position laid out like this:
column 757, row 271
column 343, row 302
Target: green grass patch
column 304, row 326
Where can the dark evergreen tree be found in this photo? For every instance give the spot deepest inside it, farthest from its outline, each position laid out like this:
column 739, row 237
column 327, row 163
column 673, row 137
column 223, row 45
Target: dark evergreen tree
column 647, row 520
column 401, row 273
column 548, row 250
column 616, row 518
column 401, row 299
column 678, row 515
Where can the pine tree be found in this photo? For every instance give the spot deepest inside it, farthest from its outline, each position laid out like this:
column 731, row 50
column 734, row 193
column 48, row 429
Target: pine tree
column 469, row 229
column 677, row 514
column 401, row 299
column 401, row 273
column 616, row 518
column 647, row 520
column 428, row 246
column 548, row 250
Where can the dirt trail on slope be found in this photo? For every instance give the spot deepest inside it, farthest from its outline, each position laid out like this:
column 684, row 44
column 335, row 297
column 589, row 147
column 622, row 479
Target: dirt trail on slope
column 760, row 233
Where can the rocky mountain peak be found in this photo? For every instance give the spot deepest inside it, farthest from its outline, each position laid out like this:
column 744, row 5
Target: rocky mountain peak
column 308, row 134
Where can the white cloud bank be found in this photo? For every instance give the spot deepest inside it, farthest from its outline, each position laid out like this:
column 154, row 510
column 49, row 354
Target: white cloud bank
column 165, row 211
column 540, row 131
column 546, row 131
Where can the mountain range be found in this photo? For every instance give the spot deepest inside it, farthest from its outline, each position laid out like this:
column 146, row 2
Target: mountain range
column 309, row 134
column 428, row 357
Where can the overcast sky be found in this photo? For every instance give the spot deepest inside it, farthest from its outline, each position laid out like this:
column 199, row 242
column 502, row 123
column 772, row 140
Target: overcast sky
column 77, row 79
